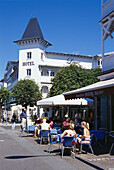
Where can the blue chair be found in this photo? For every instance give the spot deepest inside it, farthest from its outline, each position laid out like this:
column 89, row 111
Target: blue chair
column 44, row 135
column 54, row 139
column 98, row 136
column 68, row 142
column 31, row 128
column 87, row 144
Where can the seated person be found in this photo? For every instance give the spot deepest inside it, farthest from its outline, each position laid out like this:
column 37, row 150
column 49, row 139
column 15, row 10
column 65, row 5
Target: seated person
column 85, row 138
column 43, row 125
column 70, row 132
column 50, row 122
column 72, row 121
column 37, row 128
column 65, row 124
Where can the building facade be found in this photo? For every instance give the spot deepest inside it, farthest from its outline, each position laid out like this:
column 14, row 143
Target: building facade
column 38, row 64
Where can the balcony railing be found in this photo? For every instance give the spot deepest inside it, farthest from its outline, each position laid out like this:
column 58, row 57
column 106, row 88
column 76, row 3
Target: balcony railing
column 107, row 8
column 108, row 62
column 46, row 79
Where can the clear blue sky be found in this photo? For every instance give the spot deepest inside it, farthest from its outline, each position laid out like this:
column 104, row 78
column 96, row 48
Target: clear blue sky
column 70, row 25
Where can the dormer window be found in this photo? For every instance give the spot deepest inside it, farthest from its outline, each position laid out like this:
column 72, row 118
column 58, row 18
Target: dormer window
column 29, row 55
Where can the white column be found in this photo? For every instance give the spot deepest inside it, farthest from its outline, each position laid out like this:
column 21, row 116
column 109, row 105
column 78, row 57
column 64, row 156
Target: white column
column 49, row 70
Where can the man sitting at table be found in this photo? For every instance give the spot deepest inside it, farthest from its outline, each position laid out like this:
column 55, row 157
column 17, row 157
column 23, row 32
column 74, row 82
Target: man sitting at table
column 43, row 125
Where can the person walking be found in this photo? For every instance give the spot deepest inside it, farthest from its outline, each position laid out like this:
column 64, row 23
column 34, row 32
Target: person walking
column 23, row 119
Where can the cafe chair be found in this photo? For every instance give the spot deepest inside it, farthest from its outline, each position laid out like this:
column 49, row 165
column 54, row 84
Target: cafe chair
column 44, row 135
column 69, row 143
column 87, row 144
column 31, row 128
column 54, row 138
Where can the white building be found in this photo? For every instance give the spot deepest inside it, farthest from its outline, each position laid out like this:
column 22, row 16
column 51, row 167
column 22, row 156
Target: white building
column 10, row 75
column 35, row 63
column 38, row 64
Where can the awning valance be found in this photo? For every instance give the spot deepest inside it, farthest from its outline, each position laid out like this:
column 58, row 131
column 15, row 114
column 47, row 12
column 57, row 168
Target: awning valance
column 60, row 100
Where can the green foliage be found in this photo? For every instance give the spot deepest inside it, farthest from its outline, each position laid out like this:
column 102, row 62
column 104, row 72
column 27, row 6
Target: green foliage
column 72, row 77
column 4, row 95
column 26, row 92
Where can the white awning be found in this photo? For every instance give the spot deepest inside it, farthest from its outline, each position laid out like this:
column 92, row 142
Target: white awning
column 60, row 100
column 99, row 88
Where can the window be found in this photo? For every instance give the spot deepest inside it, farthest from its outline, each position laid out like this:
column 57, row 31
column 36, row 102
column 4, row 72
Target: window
column 98, row 62
column 42, row 56
column 44, row 72
column 44, row 89
column 52, row 74
column 28, row 72
column 29, row 55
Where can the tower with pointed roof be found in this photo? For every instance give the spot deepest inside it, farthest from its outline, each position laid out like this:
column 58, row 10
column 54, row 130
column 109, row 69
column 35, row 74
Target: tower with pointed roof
column 32, row 48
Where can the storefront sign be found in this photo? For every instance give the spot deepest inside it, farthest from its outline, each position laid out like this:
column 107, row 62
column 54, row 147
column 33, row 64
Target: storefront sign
column 90, row 94
column 31, row 63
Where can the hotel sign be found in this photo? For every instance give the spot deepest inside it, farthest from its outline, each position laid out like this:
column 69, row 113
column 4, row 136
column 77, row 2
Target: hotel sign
column 30, row 63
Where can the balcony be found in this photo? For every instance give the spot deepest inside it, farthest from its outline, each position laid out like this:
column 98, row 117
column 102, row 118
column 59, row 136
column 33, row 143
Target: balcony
column 107, row 8
column 108, row 62
column 46, row 79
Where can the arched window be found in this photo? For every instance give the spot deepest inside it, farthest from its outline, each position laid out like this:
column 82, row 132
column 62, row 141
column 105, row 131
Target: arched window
column 44, row 89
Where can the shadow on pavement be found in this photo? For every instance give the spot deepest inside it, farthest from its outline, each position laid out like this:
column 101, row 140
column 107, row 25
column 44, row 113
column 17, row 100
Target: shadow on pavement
column 22, row 157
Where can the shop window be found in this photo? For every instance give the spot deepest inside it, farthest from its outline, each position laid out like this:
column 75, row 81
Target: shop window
column 29, row 55
column 28, row 72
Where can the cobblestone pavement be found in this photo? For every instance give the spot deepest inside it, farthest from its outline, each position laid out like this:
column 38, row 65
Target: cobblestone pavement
column 82, row 161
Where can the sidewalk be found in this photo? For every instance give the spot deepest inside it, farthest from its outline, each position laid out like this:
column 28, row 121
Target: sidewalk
column 83, row 161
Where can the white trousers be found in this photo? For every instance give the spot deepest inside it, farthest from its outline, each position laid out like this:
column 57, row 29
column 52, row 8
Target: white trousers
column 23, row 123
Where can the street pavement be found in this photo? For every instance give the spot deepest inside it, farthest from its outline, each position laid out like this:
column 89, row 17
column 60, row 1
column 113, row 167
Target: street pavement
column 24, row 153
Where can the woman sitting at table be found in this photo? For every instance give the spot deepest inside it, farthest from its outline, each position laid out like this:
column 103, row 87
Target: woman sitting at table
column 70, row 132
column 85, row 138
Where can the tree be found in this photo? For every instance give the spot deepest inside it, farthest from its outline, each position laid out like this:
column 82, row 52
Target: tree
column 4, row 97
column 72, row 77
column 26, row 92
